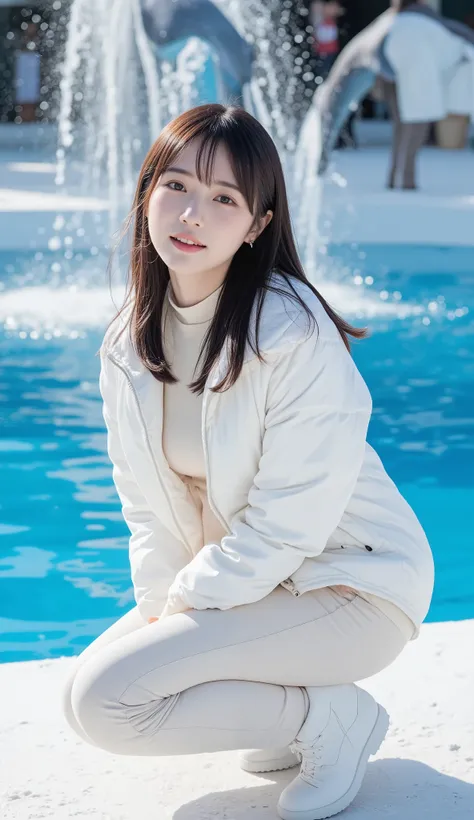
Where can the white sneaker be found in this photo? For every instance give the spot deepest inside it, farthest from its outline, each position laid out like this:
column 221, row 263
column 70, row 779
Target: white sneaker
column 268, row 760
column 344, row 726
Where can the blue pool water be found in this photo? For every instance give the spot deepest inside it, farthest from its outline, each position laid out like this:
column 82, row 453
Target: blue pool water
column 63, row 545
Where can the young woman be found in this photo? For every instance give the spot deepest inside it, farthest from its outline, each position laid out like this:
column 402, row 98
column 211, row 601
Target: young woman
column 274, row 562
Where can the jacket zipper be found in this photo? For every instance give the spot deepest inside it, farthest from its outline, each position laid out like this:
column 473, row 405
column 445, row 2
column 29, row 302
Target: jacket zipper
column 150, row 448
column 291, row 587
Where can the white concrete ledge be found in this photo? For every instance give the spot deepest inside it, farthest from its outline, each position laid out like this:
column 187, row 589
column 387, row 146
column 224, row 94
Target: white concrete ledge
column 359, row 208
column 424, row 770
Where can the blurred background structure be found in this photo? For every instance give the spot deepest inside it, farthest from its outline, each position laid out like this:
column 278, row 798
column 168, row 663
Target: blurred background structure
column 41, row 27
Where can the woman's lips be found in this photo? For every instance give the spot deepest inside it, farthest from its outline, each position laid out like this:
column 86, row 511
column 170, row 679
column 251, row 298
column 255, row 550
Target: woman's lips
column 182, row 246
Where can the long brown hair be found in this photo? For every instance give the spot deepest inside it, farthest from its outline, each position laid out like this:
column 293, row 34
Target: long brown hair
column 256, row 165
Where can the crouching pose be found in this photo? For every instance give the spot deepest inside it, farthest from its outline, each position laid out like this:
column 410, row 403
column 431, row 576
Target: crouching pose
column 273, row 560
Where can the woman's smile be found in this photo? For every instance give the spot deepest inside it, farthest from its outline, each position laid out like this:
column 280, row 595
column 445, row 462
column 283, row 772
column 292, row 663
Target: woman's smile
column 187, row 243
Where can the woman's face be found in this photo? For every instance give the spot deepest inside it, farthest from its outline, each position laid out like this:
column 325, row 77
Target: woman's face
column 216, row 218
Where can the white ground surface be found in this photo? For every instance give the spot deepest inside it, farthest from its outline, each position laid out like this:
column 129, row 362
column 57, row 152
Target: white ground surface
column 424, row 770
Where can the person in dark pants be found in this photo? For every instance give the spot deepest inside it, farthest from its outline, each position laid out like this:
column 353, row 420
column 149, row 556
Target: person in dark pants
column 431, row 62
column 407, row 140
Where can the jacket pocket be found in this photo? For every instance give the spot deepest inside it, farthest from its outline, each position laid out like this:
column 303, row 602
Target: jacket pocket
column 355, row 549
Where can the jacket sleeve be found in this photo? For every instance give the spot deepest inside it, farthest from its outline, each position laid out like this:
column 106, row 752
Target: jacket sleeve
column 155, row 555
column 317, row 414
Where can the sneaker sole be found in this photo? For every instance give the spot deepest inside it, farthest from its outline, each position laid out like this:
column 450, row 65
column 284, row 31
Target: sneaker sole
column 376, row 738
column 276, row 765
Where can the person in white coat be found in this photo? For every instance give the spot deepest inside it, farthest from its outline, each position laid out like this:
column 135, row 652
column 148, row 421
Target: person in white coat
column 274, row 562
column 433, row 62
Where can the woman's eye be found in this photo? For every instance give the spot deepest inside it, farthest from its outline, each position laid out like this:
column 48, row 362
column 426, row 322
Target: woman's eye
column 172, row 184
column 228, row 201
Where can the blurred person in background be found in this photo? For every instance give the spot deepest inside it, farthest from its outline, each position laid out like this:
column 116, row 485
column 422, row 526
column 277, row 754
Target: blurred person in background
column 28, row 75
column 325, row 18
column 434, row 75
column 407, row 138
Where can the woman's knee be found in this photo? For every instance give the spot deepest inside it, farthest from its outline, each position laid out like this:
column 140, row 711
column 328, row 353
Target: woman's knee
column 66, row 699
column 93, row 708
column 68, row 711
column 113, row 712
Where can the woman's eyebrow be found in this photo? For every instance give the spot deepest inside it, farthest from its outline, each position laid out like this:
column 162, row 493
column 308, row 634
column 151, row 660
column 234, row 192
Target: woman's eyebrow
column 174, row 169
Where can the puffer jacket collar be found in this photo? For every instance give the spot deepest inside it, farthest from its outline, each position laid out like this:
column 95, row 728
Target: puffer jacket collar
column 280, row 326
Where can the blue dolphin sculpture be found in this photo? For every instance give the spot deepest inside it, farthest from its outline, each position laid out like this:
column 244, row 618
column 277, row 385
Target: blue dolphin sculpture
column 171, row 21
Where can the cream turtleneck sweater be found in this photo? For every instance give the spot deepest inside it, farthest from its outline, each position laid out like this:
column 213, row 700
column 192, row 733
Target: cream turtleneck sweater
column 182, row 410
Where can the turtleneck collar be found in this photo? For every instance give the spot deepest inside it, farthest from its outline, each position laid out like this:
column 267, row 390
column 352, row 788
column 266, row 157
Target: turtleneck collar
column 195, row 314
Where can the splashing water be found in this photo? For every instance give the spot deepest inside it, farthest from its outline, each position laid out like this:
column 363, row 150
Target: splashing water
column 50, row 299
column 118, row 89
column 117, row 92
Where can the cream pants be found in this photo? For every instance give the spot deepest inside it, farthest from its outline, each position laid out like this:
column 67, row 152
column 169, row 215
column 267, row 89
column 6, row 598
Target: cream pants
column 212, row 680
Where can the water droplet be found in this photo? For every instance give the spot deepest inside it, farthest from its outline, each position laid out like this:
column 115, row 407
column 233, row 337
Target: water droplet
column 54, row 243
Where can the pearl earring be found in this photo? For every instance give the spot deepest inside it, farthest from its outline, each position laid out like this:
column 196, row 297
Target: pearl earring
column 251, row 244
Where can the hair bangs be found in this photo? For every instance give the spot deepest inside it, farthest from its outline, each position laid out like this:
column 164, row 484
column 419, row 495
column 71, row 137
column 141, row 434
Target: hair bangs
column 227, row 133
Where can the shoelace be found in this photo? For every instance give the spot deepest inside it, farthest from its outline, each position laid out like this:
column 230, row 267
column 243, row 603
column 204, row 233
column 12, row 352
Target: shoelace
column 311, row 760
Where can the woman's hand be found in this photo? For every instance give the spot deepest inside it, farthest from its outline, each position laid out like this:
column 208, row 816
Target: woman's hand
column 153, row 619
column 344, row 589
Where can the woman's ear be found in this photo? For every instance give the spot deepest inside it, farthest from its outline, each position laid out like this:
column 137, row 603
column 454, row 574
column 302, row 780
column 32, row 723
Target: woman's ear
column 265, row 220
column 260, row 226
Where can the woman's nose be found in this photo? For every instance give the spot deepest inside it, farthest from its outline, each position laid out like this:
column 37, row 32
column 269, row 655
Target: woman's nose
column 191, row 216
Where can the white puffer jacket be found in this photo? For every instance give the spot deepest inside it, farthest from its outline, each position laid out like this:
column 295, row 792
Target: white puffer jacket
column 304, row 499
